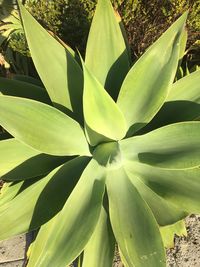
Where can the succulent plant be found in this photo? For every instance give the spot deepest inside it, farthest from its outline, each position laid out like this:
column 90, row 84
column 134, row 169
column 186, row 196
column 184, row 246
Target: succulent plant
column 80, row 164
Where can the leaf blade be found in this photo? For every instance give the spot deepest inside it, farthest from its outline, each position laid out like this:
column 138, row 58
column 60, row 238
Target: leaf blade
column 175, row 146
column 111, row 68
column 61, row 74
column 149, row 97
column 104, row 109
column 68, row 228
column 21, row 162
column 37, row 197
column 101, row 245
column 58, row 135
column 133, row 224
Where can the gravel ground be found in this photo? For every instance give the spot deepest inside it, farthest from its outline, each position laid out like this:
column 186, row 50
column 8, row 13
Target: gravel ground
column 186, row 252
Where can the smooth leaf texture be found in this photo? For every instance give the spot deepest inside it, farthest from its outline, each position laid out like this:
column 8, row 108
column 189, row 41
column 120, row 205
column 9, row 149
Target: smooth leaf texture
column 58, row 70
column 149, row 80
column 168, row 233
column 187, row 88
column 134, row 226
column 183, row 103
column 20, row 162
column 100, row 111
column 178, row 187
column 101, row 246
column 73, row 227
column 9, row 191
column 176, row 146
column 23, row 89
column 106, row 53
column 32, row 204
column 42, row 127
column 164, row 212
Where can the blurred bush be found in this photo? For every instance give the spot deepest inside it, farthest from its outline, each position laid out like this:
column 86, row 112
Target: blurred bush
column 144, row 20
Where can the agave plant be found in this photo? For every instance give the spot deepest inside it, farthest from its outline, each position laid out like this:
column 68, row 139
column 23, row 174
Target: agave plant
column 80, row 164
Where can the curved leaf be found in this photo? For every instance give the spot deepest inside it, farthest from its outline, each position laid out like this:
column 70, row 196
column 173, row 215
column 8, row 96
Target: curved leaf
column 9, row 191
column 133, row 224
column 58, row 70
column 101, row 245
column 23, row 89
column 148, row 82
column 42, row 127
column 21, row 162
column 164, row 212
column 187, row 88
column 30, row 208
column 183, row 103
column 74, row 225
column 176, row 146
column 106, row 53
column 179, row 187
column 100, row 111
column 168, row 233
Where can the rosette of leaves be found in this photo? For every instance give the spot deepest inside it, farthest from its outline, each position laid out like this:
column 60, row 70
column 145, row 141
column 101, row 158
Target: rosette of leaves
column 78, row 167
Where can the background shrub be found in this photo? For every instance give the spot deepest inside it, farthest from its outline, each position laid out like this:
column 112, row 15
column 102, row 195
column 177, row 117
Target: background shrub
column 144, row 20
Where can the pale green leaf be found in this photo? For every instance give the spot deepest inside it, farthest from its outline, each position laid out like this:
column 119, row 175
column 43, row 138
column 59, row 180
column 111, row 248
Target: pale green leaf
column 106, row 53
column 176, row 146
column 101, row 246
column 147, row 84
column 182, row 104
column 100, row 111
column 29, row 209
column 43, row 127
column 179, row 187
column 186, row 89
column 134, row 226
column 9, row 191
column 164, row 212
column 74, row 225
column 58, row 70
column 168, row 233
column 21, row 162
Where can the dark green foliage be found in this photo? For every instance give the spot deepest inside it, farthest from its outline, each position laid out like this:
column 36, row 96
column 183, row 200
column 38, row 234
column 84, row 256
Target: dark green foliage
column 144, row 20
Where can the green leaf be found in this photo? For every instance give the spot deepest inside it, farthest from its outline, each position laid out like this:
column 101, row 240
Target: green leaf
column 58, row 70
column 9, row 191
column 186, row 88
column 183, row 103
column 20, row 162
column 178, row 187
column 106, row 53
column 176, row 146
column 43, row 127
column 73, row 227
column 164, row 212
column 23, row 89
column 100, row 111
column 133, row 224
column 27, row 79
column 168, row 233
column 30, row 208
column 101, row 246
column 149, row 80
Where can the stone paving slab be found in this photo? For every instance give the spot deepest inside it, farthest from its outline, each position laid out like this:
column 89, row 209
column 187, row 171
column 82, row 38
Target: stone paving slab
column 12, row 252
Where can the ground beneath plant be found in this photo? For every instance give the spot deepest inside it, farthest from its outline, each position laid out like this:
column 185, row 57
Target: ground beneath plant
column 186, row 252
